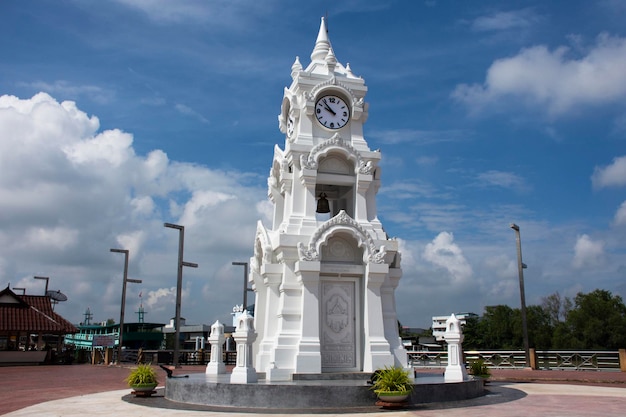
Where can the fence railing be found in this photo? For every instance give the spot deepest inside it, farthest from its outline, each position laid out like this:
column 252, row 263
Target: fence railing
column 495, row 359
column 565, row 359
column 515, row 359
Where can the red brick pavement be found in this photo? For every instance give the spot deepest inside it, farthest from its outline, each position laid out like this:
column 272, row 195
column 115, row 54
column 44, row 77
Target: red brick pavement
column 22, row 386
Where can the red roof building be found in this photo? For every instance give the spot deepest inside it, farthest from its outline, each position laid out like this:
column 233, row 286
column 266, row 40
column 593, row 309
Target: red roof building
column 22, row 316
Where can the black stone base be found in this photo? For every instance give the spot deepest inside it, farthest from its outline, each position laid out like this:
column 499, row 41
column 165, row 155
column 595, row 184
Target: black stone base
column 343, row 392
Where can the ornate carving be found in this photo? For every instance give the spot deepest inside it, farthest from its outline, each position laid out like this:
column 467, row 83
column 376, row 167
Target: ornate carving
column 378, row 256
column 331, row 81
column 310, row 161
column 337, row 313
column 310, row 253
column 307, row 162
column 307, row 254
column 366, row 168
column 262, row 246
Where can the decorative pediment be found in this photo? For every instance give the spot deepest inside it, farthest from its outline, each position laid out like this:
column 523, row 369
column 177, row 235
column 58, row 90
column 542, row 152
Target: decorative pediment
column 311, row 160
column 262, row 247
column 341, row 222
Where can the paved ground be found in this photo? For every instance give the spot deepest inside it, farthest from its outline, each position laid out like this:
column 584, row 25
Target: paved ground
column 98, row 390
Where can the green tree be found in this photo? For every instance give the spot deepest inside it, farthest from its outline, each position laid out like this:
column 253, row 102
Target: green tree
column 556, row 307
column 540, row 328
column 496, row 326
column 472, row 334
column 598, row 321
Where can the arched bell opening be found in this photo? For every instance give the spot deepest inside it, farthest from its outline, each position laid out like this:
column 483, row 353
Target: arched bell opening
column 334, row 190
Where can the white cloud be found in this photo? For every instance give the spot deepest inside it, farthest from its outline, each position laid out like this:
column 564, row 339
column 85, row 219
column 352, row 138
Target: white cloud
column 515, row 19
column 415, row 136
column 587, row 252
column 70, row 192
column 218, row 13
column 502, row 179
column 538, row 76
column 66, row 89
column 613, row 175
column 183, row 109
column 443, row 252
column 159, row 298
column 620, row 215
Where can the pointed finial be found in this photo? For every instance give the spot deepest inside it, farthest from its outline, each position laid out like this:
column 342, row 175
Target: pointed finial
column 296, row 67
column 349, row 70
column 331, row 60
column 322, row 44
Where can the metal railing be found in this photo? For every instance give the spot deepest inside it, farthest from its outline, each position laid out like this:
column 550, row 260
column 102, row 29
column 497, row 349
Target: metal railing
column 498, row 359
column 187, row 357
column 514, row 359
column 579, row 360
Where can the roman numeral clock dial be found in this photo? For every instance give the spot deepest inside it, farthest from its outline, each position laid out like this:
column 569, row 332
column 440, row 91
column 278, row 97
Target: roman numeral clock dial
column 332, row 112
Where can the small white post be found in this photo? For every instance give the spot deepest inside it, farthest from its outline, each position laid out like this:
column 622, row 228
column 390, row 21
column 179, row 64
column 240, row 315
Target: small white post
column 216, row 340
column 455, row 371
column 244, row 335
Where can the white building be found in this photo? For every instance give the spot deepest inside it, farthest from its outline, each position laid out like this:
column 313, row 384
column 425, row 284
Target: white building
column 325, row 282
column 439, row 324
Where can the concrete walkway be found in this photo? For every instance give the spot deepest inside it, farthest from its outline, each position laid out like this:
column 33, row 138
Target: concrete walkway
column 558, row 394
column 527, row 399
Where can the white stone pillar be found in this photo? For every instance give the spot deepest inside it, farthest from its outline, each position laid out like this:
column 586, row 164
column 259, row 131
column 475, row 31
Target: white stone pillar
column 308, row 358
column 216, row 339
column 388, row 299
column 455, row 371
column 377, row 352
column 267, row 320
column 244, row 335
column 360, row 206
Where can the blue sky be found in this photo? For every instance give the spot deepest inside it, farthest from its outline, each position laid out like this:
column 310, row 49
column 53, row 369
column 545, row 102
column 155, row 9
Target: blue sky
column 117, row 116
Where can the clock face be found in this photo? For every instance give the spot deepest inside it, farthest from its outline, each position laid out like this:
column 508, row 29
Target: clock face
column 332, row 112
column 290, row 126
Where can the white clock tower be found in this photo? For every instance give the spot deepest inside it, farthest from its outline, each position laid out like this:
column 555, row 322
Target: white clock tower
column 325, row 272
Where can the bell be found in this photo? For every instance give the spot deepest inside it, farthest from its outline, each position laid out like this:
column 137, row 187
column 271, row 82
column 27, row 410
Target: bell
column 322, row 204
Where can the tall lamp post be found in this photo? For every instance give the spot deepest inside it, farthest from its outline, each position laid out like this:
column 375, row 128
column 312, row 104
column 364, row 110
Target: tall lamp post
column 179, row 284
column 520, row 267
column 245, row 283
column 122, row 309
column 45, row 292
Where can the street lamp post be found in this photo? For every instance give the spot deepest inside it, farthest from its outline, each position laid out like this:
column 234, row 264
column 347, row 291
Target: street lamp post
column 123, row 307
column 179, row 284
column 245, row 283
column 45, row 292
column 520, row 267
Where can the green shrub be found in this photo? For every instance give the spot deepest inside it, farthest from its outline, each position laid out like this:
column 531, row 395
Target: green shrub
column 479, row 368
column 392, row 379
column 143, row 374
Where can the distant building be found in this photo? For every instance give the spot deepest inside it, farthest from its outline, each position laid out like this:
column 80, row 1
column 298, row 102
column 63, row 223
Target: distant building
column 138, row 335
column 192, row 336
column 28, row 325
column 439, row 323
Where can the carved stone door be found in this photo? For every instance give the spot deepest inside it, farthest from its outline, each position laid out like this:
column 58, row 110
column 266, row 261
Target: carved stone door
column 338, row 325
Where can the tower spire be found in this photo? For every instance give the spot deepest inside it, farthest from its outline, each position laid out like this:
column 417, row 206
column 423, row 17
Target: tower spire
column 322, row 44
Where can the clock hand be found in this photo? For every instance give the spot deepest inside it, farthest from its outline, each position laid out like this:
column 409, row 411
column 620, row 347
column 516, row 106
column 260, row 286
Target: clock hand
column 328, row 108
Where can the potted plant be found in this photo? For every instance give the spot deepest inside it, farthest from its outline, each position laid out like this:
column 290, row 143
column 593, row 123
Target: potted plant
column 479, row 369
column 142, row 379
column 392, row 384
